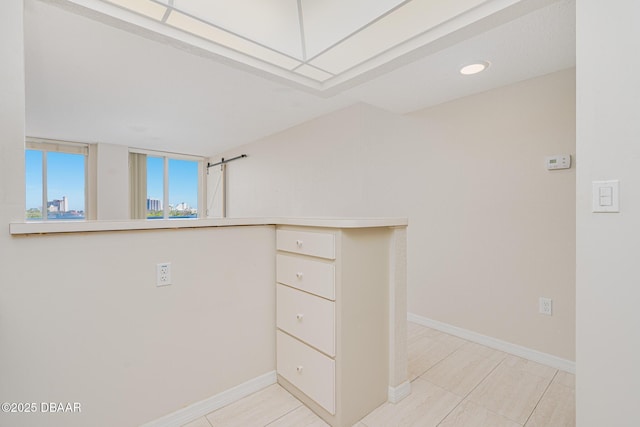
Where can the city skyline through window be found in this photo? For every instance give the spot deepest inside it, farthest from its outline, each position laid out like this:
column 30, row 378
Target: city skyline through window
column 182, row 187
column 64, row 185
column 56, row 183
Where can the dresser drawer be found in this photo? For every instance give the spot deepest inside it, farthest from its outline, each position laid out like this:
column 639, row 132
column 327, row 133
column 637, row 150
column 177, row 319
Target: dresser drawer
column 307, row 243
column 309, row 370
column 311, row 276
column 307, row 317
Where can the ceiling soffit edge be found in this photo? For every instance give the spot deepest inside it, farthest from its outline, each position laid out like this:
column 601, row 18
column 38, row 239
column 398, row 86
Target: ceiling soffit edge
column 487, row 15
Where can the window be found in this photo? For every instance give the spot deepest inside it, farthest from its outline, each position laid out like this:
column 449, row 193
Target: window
column 56, row 180
column 166, row 186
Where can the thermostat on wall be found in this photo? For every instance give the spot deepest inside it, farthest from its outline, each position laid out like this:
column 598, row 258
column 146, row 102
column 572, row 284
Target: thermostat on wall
column 561, row 161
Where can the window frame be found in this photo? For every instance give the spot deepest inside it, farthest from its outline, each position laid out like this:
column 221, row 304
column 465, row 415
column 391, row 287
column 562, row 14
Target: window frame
column 166, row 156
column 67, row 147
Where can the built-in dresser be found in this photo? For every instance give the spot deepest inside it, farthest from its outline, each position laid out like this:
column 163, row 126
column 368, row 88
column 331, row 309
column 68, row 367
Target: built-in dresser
column 333, row 319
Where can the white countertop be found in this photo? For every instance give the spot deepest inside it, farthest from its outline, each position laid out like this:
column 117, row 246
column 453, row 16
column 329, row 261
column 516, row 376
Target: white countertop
column 47, row 227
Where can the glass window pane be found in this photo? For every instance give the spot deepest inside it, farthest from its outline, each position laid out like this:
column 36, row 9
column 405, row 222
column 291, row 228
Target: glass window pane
column 155, row 187
column 65, row 186
column 183, row 188
column 33, row 168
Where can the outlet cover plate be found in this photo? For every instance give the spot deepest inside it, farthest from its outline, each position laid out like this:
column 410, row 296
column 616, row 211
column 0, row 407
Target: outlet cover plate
column 546, row 306
column 163, row 274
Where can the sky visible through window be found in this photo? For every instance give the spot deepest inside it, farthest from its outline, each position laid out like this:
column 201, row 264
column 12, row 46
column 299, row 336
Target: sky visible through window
column 65, row 179
column 155, row 178
column 183, row 182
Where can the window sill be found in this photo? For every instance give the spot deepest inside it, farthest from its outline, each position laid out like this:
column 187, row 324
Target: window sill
column 54, row 227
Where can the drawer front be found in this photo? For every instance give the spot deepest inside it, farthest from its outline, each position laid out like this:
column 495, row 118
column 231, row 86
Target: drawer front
column 307, row 243
column 307, row 317
column 309, row 370
column 316, row 277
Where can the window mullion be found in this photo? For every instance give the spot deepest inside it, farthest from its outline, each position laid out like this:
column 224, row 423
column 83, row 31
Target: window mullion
column 45, row 198
column 86, row 187
column 167, row 210
column 202, row 191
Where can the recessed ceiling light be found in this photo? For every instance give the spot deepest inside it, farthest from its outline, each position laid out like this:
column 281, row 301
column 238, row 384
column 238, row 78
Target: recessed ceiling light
column 474, row 68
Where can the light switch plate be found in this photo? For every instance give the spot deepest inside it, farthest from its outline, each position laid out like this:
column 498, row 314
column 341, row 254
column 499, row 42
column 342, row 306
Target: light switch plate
column 606, row 196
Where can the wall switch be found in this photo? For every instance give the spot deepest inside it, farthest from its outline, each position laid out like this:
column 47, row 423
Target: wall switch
column 606, row 196
column 545, row 306
column 163, row 274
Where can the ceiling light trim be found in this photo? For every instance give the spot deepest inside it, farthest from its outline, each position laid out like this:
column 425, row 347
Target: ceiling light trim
column 475, row 67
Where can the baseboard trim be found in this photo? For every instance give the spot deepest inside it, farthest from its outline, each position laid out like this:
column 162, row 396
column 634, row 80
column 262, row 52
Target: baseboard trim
column 202, row 408
column 507, row 347
column 396, row 394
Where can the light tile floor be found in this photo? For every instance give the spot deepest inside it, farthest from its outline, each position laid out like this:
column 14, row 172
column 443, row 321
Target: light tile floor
column 455, row 383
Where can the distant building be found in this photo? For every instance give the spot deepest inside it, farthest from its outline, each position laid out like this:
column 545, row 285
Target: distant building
column 183, row 207
column 58, row 205
column 154, row 205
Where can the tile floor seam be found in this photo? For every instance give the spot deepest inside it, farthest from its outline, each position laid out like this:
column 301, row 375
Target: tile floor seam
column 498, row 362
column 498, row 414
column 452, row 409
column 540, row 399
column 488, row 410
column 501, row 359
column 439, row 361
column 464, row 398
column 284, row 415
column 562, row 385
column 537, row 403
column 449, row 413
column 484, row 378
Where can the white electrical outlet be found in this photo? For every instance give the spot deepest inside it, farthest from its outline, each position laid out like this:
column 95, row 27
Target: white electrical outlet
column 545, row 306
column 163, row 274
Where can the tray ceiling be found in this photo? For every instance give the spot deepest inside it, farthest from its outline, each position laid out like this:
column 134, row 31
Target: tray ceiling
column 318, row 44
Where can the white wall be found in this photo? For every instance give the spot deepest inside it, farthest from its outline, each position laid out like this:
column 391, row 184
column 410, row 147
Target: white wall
column 608, row 279
column 81, row 319
column 490, row 229
column 497, row 229
column 112, row 171
column 337, row 165
column 12, row 121
column 85, row 322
